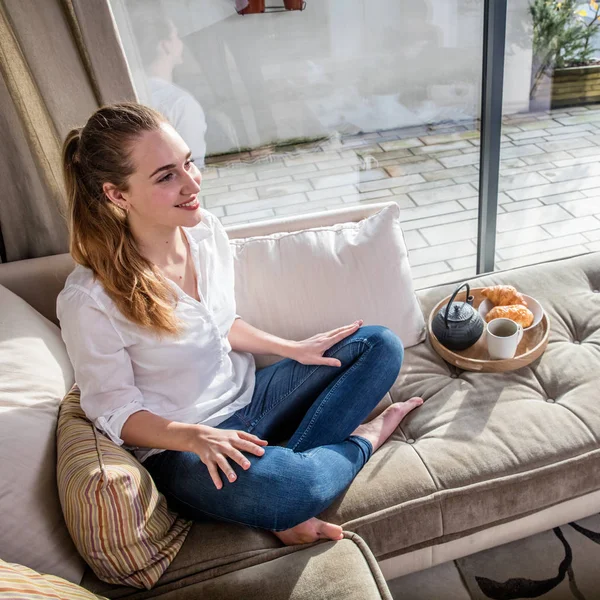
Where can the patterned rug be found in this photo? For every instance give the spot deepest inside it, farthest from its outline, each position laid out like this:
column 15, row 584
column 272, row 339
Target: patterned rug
column 560, row 564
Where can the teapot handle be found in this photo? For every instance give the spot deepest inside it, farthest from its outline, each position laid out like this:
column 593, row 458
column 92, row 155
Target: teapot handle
column 452, row 298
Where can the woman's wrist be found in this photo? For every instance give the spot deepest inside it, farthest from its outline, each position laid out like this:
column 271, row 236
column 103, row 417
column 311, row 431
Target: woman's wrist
column 193, row 433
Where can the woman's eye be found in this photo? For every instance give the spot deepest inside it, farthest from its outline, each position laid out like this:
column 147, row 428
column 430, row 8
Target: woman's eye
column 167, row 177
column 189, row 162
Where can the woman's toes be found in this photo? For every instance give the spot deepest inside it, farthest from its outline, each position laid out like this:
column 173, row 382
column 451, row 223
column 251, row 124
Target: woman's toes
column 330, row 531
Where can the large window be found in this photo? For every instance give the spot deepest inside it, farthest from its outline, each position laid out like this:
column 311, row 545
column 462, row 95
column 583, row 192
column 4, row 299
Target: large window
column 347, row 103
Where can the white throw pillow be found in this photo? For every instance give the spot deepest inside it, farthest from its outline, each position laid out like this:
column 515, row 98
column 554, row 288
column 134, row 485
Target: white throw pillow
column 299, row 283
column 35, row 374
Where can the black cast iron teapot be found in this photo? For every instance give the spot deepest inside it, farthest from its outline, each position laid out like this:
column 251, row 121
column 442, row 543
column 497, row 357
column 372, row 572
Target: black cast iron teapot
column 458, row 325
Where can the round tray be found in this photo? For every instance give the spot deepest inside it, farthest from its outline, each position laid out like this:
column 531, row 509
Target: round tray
column 476, row 358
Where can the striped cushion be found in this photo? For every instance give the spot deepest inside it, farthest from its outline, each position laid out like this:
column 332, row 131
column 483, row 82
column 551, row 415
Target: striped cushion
column 118, row 520
column 17, row 581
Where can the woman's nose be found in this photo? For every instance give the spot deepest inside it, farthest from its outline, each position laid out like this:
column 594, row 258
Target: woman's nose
column 194, row 180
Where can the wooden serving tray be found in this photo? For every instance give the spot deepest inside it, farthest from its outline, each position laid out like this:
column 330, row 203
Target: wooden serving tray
column 476, row 358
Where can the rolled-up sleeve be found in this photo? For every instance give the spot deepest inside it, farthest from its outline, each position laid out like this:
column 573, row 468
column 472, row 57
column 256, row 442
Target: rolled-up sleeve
column 101, row 362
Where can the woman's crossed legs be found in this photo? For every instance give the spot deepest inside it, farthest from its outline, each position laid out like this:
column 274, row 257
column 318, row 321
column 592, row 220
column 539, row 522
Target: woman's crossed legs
column 321, row 408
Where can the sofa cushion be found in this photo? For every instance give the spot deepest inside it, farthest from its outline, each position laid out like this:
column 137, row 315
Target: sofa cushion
column 17, row 581
column 119, row 521
column 299, row 283
column 35, row 373
column 343, row 570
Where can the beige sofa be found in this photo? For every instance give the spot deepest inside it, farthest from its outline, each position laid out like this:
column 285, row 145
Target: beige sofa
column 489, row 458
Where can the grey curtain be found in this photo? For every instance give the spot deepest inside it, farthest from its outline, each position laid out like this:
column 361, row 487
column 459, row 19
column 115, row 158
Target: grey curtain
column 59, row 61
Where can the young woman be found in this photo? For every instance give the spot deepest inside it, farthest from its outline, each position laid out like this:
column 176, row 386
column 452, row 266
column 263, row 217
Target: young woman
column 165, row 366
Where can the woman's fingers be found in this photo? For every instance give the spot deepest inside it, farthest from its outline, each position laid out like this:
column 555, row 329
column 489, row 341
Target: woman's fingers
column 251, row 447
column 225, row 467
column 214, row 475
column 239, row 458
column 248, row 436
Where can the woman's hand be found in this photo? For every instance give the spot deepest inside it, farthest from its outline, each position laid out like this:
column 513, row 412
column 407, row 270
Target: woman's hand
column 310, row 351
column 214, row 446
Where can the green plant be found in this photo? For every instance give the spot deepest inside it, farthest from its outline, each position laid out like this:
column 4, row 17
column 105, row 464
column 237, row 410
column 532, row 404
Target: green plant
column 562, row 35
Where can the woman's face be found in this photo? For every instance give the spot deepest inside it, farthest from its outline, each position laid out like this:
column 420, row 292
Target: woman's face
column 164, row 179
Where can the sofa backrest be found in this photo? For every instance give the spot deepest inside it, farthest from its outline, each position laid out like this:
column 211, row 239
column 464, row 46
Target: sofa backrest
column 39, row 280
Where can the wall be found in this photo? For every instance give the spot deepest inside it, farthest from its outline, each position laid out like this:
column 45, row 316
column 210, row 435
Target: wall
column 338, row 67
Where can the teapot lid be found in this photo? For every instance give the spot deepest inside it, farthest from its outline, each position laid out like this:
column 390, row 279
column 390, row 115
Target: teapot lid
column 460, row 311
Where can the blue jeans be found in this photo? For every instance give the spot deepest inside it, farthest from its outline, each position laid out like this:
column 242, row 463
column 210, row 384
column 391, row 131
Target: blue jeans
column 317, row 407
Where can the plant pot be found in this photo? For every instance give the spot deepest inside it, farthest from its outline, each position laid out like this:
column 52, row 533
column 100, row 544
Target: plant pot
column 254, row 6
column 294, row 4
column 572, row 86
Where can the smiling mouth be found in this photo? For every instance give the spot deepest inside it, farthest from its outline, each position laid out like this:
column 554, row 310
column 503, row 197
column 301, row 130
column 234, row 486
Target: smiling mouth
column 190, row 204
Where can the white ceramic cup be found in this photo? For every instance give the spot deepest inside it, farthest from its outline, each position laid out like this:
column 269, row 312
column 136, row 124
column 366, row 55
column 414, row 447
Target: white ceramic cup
column 503, row 337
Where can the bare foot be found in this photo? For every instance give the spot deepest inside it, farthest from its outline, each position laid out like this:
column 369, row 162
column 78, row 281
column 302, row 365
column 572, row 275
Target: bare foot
column 310, row 531
column 380, row 428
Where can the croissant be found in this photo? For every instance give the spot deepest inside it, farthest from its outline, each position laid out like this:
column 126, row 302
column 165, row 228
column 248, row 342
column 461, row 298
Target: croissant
column 503, row 295
column 516, row 312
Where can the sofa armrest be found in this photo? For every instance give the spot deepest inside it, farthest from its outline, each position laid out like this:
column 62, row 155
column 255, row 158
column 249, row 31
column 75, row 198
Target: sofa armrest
column 344, row 570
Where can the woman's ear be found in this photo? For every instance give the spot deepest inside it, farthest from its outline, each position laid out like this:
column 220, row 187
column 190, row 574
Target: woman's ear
column 114, row 194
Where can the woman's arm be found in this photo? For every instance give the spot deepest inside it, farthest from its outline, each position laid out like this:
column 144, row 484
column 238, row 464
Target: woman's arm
column 243, row 337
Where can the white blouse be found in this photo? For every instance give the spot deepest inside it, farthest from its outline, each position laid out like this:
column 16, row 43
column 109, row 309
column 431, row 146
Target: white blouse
column 121, row 368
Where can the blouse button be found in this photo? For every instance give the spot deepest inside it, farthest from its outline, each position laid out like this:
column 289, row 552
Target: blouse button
column 410, row 441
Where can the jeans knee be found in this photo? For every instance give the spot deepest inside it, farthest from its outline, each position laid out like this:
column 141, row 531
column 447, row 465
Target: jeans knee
column 385, row 337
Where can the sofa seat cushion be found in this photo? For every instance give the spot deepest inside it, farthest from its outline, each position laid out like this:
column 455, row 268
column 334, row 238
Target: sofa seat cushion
column 487, row 448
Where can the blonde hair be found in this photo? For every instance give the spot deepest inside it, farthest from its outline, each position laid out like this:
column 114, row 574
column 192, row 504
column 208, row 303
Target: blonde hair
column 100, row 236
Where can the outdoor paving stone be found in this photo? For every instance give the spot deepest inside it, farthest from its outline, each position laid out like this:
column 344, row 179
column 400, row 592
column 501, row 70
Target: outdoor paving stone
column 522, row 219
column 311, row 157
column 400, row 144
column 255, row 205
column 450, row 173
column 329, row 181
column 308, row 207
column 335, row 192
column 576, row 120
column 526, row 135
column 469, row 203
column 452, row 192
column 547, row 157
column 522, row 205
column 248, row 217
column 472, row 179
column 575, row 172
column 581, row 152
column 569, row 226
column 432, row 140
column 542, row 124
column 258, row 183
column 460, row 160
column 525, row 169
column 441, row 234
column 464, row 262
column 576, row 161
column 230, row 198
column 513, row 182
column 562, row 197
column 470, row 151
column 418, row 187
column 342, row 162
column 519, row 151
column 414, row 240
column 414, row 167
column 441, row 147
column 593, row 246
column 440, row 278
column 444, row 220
column 429, row 269
column 567, row 136
column 527, row 235
column 551, row 189
column 532, row 259
column 541, row 246
column 422, row 212
column 563, row 129
column 591, row 192
column 327, row 173
column 283, row 189
column 232, row 179
column 357, row 196
column 441, row 251
column 583, row 208
column 380, row 155
column 390, row 182
column 593, row 235
column 207, row 190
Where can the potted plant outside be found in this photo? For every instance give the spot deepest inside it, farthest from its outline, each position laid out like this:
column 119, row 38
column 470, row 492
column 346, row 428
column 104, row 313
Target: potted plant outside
column 254, row 6
column 294, row 4
column 565, row 72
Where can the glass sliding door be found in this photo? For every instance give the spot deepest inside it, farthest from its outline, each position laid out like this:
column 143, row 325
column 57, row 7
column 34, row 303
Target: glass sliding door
column 342, row 103
column 549, row 201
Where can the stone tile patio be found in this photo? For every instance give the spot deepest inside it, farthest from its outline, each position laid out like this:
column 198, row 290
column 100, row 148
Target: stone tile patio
column 549, row 200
